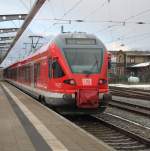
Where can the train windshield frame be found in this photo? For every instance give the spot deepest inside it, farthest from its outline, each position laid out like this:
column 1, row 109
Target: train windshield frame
column 84, row 60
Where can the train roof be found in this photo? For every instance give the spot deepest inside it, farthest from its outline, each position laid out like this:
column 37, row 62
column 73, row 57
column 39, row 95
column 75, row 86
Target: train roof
column 39, row 51
column 60, row 40
column 75, row 35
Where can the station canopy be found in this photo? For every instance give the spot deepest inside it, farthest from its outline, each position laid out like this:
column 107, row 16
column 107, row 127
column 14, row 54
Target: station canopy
column 120, row 24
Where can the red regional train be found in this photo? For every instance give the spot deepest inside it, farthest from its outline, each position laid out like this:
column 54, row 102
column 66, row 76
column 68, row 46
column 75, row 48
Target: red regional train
column 69, row 74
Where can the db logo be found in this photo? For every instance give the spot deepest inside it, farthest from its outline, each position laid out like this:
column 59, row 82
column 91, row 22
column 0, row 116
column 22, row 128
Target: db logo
column 58, row 85
column 87, row 81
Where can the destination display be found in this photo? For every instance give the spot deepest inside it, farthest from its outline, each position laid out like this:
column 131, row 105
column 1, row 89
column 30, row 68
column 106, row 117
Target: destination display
column 80, row 41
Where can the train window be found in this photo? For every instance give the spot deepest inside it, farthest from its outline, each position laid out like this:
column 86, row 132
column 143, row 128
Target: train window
column 84, row 60
column 37, row 71
column 27, row 73
column 50, row 68
column 57, row 70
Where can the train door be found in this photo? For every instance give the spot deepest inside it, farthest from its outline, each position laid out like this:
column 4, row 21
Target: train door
column 50, row 67
column 56, row 73
column 44, row 72
column 50, row 80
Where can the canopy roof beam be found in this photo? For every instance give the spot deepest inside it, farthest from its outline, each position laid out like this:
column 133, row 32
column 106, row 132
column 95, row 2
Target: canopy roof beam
column 8, row 30
column 12, row 17
column 37, row 5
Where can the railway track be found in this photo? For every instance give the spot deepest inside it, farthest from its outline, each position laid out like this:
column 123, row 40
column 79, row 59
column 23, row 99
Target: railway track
column 141, row 90
column 129, row 106
column 140, row 94
column 115, row 136
column 130, row 89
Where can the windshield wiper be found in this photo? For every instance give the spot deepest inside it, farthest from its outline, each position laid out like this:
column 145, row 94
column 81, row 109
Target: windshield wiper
column 88, row 72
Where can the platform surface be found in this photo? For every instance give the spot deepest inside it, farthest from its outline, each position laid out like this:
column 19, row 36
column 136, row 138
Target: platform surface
column 26, row 125
column 12, row 134
column 140, row 102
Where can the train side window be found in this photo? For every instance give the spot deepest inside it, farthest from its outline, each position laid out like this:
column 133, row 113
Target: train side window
column 50, row 68
column 37, row 71
column 57, row 70
column 27, row 73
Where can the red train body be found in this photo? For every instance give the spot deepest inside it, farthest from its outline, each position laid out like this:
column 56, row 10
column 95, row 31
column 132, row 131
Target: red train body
column 70, row 72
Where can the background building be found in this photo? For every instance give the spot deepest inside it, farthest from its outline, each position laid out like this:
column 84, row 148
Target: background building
column 130, row 63
column 141, row 70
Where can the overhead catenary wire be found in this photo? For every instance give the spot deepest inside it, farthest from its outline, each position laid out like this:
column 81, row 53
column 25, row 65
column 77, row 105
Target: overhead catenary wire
column 119, row 22
column 65, row 14
column 72, row 8
column 138, row 14
column 142, row 36
column 128, row 37
column 97, row 8
column 136, row 40
column 138, row 22
column 94, row 11
column 69, row 10
column 25, row 5
column 125, row 21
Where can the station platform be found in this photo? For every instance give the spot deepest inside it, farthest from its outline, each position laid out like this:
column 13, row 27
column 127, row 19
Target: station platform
column 139, row 102
column 27, row 125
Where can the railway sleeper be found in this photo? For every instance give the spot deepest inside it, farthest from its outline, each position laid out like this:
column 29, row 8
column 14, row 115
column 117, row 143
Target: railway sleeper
column 129, row 143
column 112, row 137
column 118, row 140
column 134, row 148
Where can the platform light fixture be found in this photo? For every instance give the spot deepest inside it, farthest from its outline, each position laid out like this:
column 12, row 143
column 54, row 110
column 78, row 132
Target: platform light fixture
column 20, row 16
column 4, row 17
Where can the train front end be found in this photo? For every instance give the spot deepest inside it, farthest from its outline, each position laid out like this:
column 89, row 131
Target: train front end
column 83, row 60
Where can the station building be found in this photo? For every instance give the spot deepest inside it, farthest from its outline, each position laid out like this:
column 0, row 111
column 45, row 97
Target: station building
column 131, row 63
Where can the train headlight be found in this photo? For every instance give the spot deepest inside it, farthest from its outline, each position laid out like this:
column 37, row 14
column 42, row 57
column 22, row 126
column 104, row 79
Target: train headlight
column 70, row 81
column 102, row 81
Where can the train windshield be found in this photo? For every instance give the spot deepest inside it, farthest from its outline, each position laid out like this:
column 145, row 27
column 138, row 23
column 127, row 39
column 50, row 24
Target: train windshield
column 84, row 60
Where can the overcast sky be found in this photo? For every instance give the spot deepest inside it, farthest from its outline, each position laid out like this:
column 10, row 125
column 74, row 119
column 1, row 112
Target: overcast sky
column 120, row 24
